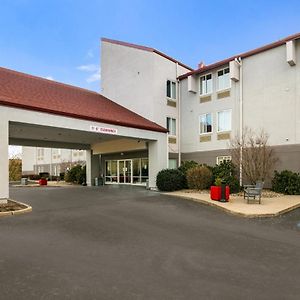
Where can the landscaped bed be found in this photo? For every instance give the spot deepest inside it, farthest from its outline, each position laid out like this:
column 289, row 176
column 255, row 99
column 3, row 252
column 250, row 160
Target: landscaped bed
column 266, row 193
column 13, row 207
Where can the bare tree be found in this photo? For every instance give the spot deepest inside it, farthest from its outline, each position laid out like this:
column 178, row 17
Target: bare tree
column 253, row 154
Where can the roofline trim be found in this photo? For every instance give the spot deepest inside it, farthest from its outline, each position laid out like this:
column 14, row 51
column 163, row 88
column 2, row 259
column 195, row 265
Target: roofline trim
column 145, row 48
column 242, row 55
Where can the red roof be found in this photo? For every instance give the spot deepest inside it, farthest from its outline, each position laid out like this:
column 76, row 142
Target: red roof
column 146, row 49
column 34, row 93
column 242, row 55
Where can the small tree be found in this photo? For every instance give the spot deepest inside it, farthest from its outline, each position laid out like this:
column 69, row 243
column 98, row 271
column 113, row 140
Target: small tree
column 254, row 155
column 15, row 169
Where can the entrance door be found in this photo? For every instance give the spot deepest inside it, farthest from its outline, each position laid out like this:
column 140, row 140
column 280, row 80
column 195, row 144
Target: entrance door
column 125, row 171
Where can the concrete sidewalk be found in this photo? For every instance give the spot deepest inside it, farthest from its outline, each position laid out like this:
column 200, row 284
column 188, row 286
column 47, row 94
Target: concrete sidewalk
column 269, row 207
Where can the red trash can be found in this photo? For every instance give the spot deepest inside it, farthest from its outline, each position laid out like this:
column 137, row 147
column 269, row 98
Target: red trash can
column 43, row 181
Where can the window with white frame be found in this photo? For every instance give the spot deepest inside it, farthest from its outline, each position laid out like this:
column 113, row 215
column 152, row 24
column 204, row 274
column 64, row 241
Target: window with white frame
column 171, row 89
column 205, row 123
column 221, row 159
column 206, row 84
column 171, row 126
column 224, row 120
column 223, row 81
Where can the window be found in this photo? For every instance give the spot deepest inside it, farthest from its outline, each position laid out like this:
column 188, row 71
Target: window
column 40, row 153
column 172, row 163
column 221, row 159
column 205, row 123
column 224, row 120
column 171, row 126
column 223, row 79
column 171, row 89
column 56, row 153
column 206, row 84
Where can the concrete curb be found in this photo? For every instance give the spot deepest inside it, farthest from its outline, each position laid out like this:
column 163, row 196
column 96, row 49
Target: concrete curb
column 240, row 214
column 25, row 210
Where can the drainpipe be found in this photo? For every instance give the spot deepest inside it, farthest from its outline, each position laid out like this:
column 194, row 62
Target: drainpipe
column 179, row 118
column 240, row 62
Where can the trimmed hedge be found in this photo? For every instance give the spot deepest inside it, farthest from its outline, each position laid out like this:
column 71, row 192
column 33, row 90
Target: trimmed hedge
column 199, row 178
column 169, row 180
column 286, row 182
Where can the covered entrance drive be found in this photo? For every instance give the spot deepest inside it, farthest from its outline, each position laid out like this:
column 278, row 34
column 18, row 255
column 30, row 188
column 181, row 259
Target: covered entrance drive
column 43, row 113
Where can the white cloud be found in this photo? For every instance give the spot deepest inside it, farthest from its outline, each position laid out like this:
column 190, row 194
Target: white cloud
column 88, row 68
column 90, row 54
column 94, row 77
column 93, row 69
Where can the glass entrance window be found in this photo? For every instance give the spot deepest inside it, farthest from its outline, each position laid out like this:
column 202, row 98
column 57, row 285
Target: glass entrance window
column 136, row 170
column 144, row 169
column 130, row 171
column 111, row 171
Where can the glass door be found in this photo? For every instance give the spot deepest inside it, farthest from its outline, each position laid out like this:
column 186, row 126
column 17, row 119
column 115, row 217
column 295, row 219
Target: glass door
column 128, row 171
column 125, row 171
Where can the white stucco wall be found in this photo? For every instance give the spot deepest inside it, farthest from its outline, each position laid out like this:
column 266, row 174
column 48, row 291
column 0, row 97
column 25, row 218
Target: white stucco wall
column 271, row 101
column 137, row 79
column 272, row 95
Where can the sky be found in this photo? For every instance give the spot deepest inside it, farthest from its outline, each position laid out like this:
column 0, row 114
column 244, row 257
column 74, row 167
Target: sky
column 60, row 39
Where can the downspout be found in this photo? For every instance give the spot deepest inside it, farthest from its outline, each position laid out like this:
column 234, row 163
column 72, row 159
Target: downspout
column 179, row 117
column 240, row 62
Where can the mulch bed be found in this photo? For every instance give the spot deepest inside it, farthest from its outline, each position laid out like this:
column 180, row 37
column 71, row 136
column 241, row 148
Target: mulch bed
column 11, row 206
column 266, row 193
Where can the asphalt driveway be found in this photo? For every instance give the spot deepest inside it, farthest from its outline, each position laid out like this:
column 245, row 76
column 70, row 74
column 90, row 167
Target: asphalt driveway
column 129, row 243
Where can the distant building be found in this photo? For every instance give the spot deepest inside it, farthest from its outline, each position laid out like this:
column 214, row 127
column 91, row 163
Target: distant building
column 54, row 161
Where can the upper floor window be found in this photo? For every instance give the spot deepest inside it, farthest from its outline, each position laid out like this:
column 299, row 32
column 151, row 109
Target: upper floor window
column 171, row 126
column 224, row 120
column 206, row 84
column 205, row 123
column 171, row 89
column 223, row 79
column 40, row 153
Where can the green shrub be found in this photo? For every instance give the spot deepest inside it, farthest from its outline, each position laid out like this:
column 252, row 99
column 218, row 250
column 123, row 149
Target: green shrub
column 199, row 178
column 76, row 174
column 227, row 172
column 286, row 182
column 170, row 180
column 185, row 166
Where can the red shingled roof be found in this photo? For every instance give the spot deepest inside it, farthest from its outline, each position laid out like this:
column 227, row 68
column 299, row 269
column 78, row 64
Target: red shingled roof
column 149, row 49
column 34, row 93
column 242, row 55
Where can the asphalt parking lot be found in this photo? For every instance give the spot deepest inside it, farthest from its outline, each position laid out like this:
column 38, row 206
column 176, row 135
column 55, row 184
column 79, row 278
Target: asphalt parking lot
column 129, row 243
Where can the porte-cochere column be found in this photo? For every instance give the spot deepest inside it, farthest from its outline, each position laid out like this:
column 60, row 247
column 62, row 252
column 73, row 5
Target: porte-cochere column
column 4, row 180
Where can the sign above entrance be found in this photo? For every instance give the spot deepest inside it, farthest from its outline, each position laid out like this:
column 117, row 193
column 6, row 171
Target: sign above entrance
column 105, row 130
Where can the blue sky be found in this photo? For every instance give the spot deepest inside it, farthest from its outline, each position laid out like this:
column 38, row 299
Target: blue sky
column 60, row 39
